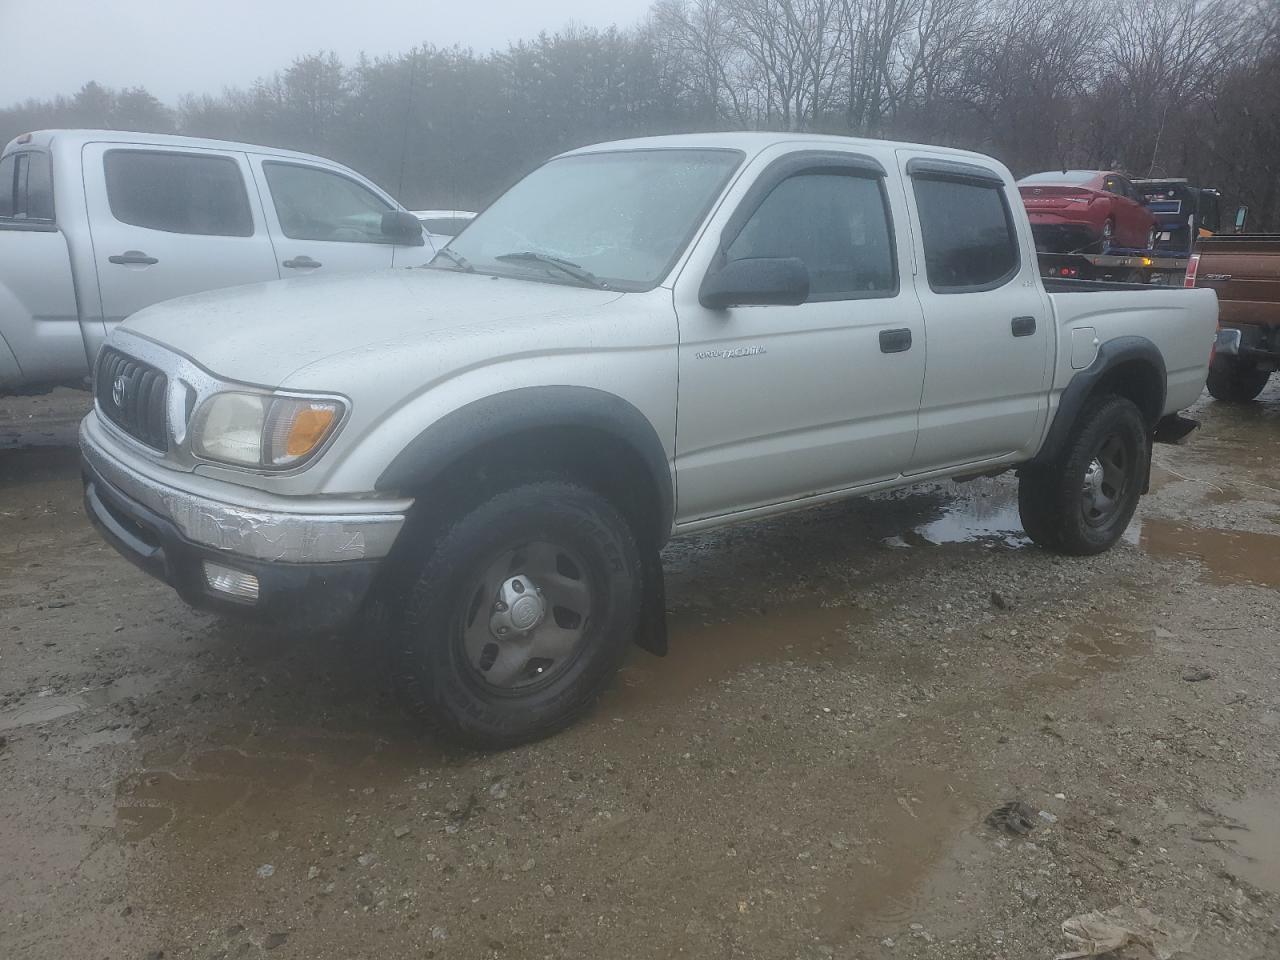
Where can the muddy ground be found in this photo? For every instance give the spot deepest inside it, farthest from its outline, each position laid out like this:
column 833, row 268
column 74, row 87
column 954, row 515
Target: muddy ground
column 850, row 692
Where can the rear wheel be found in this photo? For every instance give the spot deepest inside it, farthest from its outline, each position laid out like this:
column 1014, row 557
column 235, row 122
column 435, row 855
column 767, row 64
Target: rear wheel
column 1108, row 238
column 1235, row 382
column 520, row 616
column 1081, row 503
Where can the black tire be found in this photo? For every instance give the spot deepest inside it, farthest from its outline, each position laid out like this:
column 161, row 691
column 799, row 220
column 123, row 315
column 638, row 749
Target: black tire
column 1107, row 239
column 1082, row 503
column 448, row 611
column 1235, row 382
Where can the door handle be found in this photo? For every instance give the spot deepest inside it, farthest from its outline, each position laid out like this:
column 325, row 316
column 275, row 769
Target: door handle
column 1023, row 326
column 132, row 256
column 895, row 341
column 302, row 262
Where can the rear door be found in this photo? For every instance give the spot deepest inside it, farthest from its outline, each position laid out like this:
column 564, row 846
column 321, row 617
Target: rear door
column 325, row 221
column 988, row 325
column 40, row 337
column 167, row 222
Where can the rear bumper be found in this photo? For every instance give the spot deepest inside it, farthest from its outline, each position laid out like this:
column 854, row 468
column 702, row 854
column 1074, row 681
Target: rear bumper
column 1058, row 233
column 1255, row 343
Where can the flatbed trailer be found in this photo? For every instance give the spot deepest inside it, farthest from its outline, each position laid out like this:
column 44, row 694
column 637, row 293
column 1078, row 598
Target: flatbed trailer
column 1116, row 266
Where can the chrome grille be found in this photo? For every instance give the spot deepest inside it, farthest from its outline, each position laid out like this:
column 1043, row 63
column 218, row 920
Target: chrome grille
column 132, row 395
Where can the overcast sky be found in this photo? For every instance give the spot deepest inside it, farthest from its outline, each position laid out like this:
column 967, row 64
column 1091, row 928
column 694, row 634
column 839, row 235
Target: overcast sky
column 173, row 47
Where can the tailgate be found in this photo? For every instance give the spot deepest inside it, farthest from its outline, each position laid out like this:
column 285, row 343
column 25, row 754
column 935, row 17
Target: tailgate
column 1245, row 273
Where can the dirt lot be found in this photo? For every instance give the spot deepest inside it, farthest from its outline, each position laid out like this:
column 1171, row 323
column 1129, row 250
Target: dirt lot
column 850, row 692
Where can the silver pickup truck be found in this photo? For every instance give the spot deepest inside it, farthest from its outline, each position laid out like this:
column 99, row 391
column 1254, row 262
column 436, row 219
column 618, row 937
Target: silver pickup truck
column 639, row 340
column 97, row 224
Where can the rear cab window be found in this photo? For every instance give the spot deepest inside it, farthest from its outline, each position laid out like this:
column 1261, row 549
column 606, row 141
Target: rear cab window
column 970, row 242
column 191, row 193
column 26, row 190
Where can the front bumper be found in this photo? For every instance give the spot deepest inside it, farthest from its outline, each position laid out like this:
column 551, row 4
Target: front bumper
column 312, row 570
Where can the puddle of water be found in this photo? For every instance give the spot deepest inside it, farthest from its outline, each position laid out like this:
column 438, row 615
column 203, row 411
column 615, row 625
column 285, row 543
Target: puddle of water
column 1255, row 856
column 977, row 511
column 899, row 868
column 205, row 798
column 1230, row 556
column 268, row 771
column 138, row 823
column 37, row 710
column 971, row 520
column 704, row 652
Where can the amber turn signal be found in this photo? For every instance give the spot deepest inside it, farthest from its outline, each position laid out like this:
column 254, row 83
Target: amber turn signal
column 309, row 427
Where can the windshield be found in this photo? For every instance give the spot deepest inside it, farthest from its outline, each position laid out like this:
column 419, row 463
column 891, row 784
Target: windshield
column 1062, row 177
column 622, row 217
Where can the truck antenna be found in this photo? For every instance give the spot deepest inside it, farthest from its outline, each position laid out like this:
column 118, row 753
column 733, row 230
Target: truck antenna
column 408, row 112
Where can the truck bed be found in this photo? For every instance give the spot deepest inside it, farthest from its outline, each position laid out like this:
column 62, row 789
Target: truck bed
column 1244, row 271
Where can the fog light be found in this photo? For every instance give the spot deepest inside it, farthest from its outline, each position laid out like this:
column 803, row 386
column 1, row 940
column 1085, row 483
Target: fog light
column 234, row 583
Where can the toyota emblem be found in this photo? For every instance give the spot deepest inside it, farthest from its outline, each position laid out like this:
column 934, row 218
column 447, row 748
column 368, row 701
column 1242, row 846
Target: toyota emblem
column 117, row 392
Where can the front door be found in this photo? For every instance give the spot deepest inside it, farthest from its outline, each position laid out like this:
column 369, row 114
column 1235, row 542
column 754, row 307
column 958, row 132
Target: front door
column 326, row 222
column 777, row 403
column 168, row 222
column 986, row 316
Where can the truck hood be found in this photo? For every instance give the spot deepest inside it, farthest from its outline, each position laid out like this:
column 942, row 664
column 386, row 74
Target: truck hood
column 265, row 333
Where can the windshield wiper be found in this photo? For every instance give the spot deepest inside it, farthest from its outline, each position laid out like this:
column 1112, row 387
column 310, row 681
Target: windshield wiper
column 458, row 259
column 581, row 274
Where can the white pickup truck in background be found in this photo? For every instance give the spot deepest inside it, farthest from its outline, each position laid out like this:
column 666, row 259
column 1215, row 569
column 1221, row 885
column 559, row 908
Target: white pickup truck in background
column 638, row 340
column 97, row 224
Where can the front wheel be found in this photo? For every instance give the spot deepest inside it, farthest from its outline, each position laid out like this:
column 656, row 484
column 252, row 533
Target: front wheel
column 520, row 616
column 1235, row 382
column 1082, row 503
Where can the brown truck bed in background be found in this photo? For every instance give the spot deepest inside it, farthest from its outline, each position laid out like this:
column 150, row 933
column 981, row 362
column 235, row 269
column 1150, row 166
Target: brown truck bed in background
column 1244, row 269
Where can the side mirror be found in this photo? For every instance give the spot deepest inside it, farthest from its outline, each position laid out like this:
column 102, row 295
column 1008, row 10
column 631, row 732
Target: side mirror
column 1242, row 215
column 762, row 281
column 403, row 227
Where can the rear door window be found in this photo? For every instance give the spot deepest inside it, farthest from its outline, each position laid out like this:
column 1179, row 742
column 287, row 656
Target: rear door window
column 8, row 185
column 968, row 234
column 37, row 185
column 315, row 204
column 178, row 192
column 26, row 187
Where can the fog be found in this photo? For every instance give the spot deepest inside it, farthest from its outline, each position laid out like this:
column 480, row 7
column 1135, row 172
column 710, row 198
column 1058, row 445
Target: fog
column 176, row 47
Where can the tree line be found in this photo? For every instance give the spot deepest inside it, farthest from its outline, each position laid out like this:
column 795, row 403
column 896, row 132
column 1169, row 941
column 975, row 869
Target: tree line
column 1152, row 87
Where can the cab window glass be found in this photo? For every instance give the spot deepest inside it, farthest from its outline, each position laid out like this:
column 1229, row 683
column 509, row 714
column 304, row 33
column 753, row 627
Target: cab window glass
column 969, row 239
column 315, row 204
column 178, row 192
column 837, row 224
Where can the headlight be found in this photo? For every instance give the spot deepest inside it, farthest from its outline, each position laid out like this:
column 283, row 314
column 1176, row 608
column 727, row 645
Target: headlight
column 259, row 430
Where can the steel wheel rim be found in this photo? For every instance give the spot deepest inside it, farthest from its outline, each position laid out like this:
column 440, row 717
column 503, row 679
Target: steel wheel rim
column 1106, row 480
column 513, row 647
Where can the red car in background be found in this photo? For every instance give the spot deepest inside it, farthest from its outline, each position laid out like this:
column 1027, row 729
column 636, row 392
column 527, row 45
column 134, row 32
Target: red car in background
column 1086, row 211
